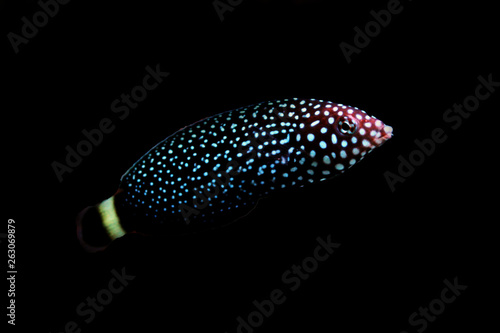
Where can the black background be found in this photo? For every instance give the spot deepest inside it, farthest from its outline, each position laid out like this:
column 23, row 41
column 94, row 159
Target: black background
column 396, row 247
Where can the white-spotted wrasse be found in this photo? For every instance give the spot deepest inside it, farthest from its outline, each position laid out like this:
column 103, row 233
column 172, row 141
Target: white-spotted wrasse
column 215, row 170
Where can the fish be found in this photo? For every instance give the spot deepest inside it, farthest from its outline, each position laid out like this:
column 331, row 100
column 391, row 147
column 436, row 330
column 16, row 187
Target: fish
column 215, row 171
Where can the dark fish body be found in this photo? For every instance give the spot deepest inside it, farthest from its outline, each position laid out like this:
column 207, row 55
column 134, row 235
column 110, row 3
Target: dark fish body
column 215, row 170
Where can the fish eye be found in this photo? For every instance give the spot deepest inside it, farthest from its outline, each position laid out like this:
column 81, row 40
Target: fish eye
column 347, row 126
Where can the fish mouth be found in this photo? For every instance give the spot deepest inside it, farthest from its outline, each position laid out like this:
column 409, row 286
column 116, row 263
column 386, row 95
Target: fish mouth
column 384, row 135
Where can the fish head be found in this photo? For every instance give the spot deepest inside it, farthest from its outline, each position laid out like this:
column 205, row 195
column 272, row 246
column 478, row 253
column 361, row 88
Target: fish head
column 361, row 130
column 338, row 136
column 358, row 133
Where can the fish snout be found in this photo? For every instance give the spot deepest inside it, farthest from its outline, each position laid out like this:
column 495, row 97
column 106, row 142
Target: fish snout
column 384, row 134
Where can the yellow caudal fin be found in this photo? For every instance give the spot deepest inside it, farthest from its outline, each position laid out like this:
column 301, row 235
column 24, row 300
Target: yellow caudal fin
column 97, row 226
